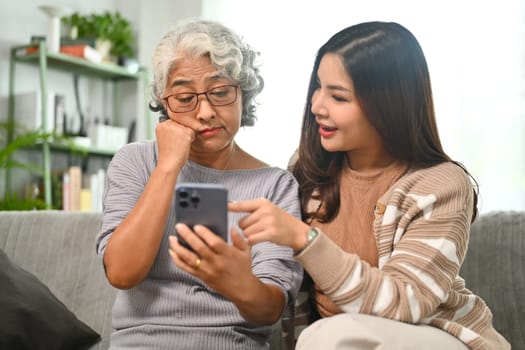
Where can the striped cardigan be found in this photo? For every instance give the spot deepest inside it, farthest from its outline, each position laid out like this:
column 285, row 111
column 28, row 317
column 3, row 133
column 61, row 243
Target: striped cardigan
column 422, row 226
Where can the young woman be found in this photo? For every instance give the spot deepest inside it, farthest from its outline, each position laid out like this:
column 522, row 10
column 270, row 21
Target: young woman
column 218, row 295
column 386, row 212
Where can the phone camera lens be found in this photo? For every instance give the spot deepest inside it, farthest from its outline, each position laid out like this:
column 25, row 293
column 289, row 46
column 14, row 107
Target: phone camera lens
column 183, row 193
column 183, row 204
column 195, row 199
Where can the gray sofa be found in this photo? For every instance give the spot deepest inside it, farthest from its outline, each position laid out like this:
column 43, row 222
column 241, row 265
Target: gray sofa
column 58, row 247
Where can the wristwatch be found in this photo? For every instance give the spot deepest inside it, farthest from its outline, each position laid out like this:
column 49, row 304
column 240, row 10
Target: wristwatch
column 310, row 237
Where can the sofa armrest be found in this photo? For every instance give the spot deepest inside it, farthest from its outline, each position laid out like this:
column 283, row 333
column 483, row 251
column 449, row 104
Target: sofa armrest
column 494, row 269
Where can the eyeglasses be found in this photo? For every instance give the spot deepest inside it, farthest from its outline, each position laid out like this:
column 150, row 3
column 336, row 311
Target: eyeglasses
column 187, row 101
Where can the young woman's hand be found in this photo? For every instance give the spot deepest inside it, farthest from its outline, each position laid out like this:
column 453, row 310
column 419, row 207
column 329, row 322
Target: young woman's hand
column 267, row 222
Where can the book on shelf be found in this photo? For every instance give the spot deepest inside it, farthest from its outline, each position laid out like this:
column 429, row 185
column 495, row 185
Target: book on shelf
column 78, row 191
column 97, row 182
column 60, row 114
column 75, row 187
column 64, row 40
column 66, row 206
column 86, row 201
column 82, row 51
column 78, row 50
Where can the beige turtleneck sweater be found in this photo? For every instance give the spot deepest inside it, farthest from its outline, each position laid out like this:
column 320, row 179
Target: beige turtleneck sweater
column 352, row 228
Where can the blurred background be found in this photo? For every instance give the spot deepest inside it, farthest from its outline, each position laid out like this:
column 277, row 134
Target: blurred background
column 475, row 51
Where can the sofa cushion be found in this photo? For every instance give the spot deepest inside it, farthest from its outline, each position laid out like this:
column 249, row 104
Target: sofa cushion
column 33, row 318
column 58, row 247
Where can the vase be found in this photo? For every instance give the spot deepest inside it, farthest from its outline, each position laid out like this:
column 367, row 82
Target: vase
column 53, row 33
column 104, row 47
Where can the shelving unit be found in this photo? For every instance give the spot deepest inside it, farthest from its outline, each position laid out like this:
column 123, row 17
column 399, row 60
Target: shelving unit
column 46, row 61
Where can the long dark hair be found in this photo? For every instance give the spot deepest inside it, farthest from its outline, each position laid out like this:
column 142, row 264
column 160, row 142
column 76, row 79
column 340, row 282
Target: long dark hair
column 392, row 86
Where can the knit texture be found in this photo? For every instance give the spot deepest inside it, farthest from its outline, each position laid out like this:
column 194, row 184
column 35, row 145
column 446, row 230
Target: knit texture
column 421, row 226
column 351, row 229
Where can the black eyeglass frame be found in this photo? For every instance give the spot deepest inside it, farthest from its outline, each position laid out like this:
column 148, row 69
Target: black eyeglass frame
column 205, row 93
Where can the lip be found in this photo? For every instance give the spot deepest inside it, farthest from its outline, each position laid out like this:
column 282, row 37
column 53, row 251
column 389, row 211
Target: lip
column 326, row 131
column 210, row 132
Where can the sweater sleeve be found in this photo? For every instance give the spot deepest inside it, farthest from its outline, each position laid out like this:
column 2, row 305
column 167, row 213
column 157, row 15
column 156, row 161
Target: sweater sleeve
column 127, row 175
column 422, row 236
column 274, row 264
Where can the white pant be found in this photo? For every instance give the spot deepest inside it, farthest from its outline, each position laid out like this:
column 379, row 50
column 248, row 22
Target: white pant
column 364, row 332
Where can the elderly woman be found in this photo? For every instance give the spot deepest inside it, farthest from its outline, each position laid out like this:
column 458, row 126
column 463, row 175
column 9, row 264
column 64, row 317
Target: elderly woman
column 218, row 294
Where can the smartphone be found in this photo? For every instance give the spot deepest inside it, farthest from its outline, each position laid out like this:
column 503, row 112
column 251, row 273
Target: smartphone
column 202, row 203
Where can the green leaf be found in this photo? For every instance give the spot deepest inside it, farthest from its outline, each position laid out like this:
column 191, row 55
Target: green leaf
column 13, row 138
column 12, row 202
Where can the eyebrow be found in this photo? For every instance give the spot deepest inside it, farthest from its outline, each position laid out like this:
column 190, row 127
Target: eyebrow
column 335, row 87
column 338, row 88
column 183, row 81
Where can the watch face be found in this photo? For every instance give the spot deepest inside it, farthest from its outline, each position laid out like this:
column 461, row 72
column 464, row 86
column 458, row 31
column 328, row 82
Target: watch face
column 312, row 234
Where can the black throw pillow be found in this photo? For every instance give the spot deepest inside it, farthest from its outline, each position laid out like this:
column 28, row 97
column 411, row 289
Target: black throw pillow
column 31, row 317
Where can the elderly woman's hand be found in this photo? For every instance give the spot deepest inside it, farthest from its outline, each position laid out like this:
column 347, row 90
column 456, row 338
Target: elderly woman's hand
column 174, row 141
column 225, row 268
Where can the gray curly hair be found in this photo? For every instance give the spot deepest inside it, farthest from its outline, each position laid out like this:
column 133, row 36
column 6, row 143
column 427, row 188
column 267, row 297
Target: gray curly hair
column 227, row 51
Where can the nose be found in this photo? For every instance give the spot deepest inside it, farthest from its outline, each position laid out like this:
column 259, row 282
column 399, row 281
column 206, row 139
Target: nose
column 205, row 110
column 318, row 108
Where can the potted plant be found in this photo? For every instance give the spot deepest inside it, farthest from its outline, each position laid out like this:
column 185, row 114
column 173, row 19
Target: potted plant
column 107, row 27
column 11, row 140
column 14, row 137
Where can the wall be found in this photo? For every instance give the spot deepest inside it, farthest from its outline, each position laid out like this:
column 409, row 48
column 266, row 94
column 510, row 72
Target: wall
column 476, row 59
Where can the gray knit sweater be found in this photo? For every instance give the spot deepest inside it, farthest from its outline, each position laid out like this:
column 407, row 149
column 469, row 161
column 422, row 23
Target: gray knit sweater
column 170, row 309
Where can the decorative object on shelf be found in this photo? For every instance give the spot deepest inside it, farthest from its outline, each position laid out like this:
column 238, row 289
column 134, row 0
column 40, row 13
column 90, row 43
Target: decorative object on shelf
column 108, row 137
column 131, row 64
column 53, row 33
column 113, row 33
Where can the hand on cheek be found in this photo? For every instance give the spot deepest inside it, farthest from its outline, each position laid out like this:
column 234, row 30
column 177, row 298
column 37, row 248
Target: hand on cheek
column 174, row 142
